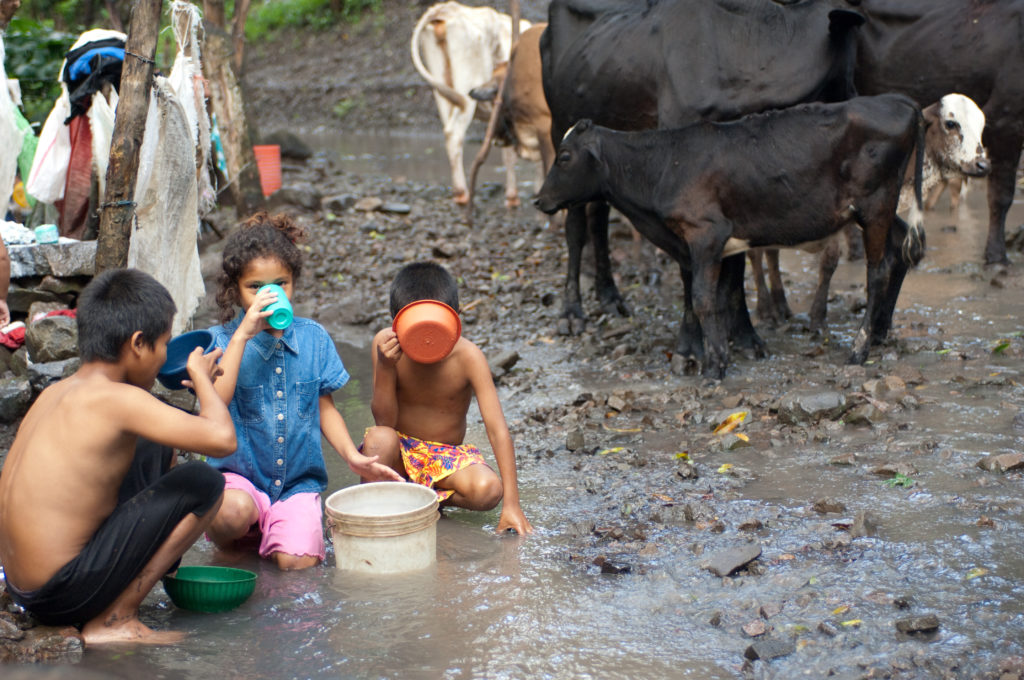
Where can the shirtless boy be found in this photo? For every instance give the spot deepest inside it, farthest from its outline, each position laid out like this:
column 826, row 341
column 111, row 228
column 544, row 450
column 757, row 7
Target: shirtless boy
column 91, row 514
column 420, row 411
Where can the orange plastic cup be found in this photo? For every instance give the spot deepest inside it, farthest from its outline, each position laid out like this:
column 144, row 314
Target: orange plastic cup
column 427, row 330
column 268, row 163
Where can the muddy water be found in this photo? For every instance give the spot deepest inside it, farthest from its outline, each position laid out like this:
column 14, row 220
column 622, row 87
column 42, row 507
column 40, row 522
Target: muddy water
column 512, row 608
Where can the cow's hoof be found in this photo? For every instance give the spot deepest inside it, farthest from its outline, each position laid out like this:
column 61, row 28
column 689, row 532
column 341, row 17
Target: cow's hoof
column 512, row 202
column 616, row 307
column 571, row 325
column 461, row 199
column 684, row 365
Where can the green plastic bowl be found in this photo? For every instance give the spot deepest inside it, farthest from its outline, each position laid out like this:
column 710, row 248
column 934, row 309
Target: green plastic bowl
column 210, row 589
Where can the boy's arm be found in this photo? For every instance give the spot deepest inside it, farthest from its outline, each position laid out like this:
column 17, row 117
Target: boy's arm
column 211, row 432
column 384, row 402
column 336, row 432
column 479, row 372
column 252, row 323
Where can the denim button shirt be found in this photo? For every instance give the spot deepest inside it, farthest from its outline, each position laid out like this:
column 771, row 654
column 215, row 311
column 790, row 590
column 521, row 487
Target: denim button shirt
column 276, row 407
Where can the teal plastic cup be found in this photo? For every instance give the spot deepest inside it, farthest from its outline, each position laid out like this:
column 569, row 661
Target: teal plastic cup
column 281, row 311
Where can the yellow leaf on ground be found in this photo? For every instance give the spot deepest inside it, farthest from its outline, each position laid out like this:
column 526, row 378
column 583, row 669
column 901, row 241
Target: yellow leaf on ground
column 976, row 572
column 852, row 623
column 731, row 423
column 682, row 455
column 740, row 435
column 621, row 429
column 662, row 497
column 841, row 609
column 724, row 467
column 614, row 449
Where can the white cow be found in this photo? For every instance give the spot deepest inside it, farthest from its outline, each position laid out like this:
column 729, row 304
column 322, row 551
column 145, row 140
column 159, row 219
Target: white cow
column 458, row 53
column 952, row 151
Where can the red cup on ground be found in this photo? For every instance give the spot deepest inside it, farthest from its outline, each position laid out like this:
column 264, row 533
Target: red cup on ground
column 427, row 330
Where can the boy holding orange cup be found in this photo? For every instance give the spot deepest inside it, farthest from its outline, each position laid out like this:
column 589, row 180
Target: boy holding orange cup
column 424, row 377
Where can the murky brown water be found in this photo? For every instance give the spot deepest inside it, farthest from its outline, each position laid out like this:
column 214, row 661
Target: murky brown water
column 512, row 608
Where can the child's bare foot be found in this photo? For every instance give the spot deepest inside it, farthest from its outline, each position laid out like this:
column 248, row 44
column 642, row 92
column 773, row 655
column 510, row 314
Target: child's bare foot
column 98, row 632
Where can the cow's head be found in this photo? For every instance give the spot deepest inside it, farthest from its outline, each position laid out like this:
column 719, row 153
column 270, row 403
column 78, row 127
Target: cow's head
column 574, row 178
column 955, row 124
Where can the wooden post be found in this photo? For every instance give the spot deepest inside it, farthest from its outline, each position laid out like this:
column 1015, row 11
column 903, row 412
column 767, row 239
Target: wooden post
column 227, row 102
column 492, row 122
column 118, row 208
column 7, row 10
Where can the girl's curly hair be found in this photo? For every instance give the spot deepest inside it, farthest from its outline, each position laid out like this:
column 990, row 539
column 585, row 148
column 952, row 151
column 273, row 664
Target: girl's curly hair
column 261, row 235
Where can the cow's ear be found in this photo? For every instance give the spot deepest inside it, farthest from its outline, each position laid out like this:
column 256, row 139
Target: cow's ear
column 931, row 114
column 584, row 125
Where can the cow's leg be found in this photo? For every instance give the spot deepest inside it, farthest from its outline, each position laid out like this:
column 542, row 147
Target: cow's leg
column 455, row 126
column 878, row 228
column 706, row 260
column 854, row 242
column 778, row 290
column 828, row 260
column 897, row 268
column 508, row 156
column 936, row 193
column 732, row 304
column 956, row 185
column 575, row 238
column 1004, row 149
column 690, row 343
column 765, row 311
column 608, row 295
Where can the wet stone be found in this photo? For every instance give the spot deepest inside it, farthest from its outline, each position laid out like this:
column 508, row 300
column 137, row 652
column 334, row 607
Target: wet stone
column 727, row 561
column 44, row 644
column 824, row 506
column 1003, row 462
column 843, row 459
column 891, row 388
column 617, row 403
column 15, row 398
column 338, row 203
column 716, row 619
column 829, row 628
column 755, row 628
column 396, row 208
column 503, row 363
column 53, row 338
column 770, row 609
column 918, row 624
column 70, row 258
column 731, row 442
column 9, row 628
column 43, row 375
column 750, row 525
column 687, row 470
column 893, row 469
column 574, row 440
column 369, row 204
column 864, row 414
column 805, row 405
column 864, row 524
column 766, row 650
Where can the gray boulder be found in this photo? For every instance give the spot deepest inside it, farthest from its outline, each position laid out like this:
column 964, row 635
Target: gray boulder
column 53, row 338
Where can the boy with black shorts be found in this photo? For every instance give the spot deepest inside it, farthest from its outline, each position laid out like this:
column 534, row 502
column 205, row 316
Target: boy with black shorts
column 92, row 514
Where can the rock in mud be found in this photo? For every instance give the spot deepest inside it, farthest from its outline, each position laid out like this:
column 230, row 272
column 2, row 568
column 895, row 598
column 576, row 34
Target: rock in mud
column 843, row 459
column 891, row 388
column 864, row 524
column 824, row 506
column 727, row 561
column 731, row 442
column 829, row 628
column 808, row 406
column 302, row 194
column 503, row 363
column 369, row 204
column 15, row 398
column 864, row 414
column 766, row 650
column 893, row 469
column 755, row 628
column 291, row 145
column 43, row 375
column 1003, row 462
column 574, row 440
column 687, row 470
column 918, row 624
column 396, row 208
column 44, row 644
column 53, row 338
column 338, row 203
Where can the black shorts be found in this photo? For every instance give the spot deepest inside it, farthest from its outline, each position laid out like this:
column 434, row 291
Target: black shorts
column 152, row 502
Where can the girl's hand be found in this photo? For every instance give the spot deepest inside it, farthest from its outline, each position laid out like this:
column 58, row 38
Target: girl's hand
column 367, row 467
column 255, row 319
column 205, row 365
column 388, row 350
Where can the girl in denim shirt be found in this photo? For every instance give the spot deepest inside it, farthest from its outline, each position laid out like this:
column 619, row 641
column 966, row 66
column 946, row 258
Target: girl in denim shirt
column 278, row 385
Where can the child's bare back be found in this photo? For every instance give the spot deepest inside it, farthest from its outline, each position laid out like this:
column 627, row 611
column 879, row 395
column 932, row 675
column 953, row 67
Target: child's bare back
column 62, row 474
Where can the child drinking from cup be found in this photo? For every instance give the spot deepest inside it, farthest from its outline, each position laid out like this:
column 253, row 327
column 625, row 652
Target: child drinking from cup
column 278, row 384
column 420, row 411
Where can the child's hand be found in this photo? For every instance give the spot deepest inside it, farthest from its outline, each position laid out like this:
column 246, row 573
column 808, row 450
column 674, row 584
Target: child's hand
column 513, row 518
column 200, row 364
column 255, row 319
column 369, row 469
column 388, row 350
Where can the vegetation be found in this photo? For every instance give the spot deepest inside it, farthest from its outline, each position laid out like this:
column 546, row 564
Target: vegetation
column 34, row 55
column 267, row 16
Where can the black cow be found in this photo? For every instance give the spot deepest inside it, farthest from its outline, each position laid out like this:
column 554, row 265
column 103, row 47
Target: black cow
column 668, row 63
column 926, row 48
column 778, row 178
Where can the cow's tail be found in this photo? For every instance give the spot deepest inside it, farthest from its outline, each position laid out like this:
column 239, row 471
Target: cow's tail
column 442, row 87
column 913, row 243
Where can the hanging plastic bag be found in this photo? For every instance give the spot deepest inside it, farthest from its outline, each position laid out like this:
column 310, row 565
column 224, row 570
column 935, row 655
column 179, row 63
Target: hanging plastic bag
column 50, row 165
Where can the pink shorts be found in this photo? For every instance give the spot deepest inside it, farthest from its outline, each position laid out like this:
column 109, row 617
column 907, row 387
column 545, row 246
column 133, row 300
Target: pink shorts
column 294, row 526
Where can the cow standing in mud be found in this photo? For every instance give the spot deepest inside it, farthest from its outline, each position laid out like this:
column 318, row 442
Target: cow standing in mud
column 952, row 150
column 456, row 48
column 669, row 63
column 926, row 48
column 780, row 178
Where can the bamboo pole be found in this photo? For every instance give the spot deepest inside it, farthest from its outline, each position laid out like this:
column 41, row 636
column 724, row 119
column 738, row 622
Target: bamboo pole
column 118, row 207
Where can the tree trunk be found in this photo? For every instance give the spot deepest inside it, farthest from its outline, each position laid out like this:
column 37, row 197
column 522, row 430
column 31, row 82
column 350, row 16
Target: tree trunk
column 238, row 35
column 229, row 107
column 118, row 208
column 7, row 10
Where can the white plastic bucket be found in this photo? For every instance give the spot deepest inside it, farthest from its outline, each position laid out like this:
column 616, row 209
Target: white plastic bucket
column 383, row 527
